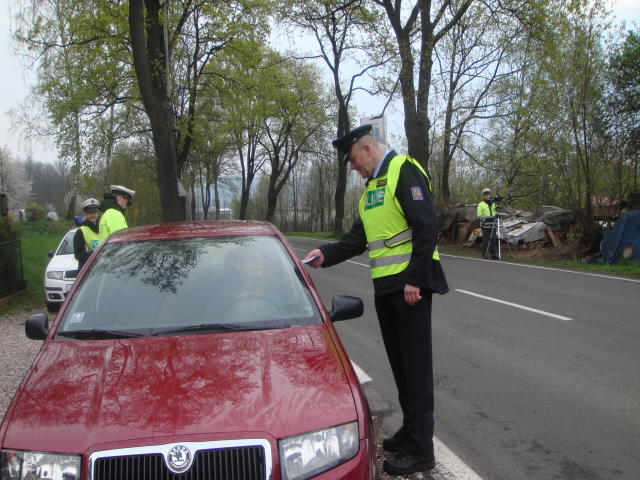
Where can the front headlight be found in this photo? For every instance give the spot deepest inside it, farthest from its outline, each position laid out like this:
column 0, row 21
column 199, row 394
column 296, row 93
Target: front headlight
column 307, row 455
column 15, row 464
column 55, row 275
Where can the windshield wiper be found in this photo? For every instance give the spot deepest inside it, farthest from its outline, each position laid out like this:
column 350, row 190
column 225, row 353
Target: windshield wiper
column 226, row 327
column 97, row 333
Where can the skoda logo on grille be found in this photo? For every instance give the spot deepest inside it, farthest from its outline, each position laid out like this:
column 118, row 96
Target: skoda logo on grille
column 179, row 459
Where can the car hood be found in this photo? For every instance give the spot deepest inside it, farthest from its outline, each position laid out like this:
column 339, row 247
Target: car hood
column 62, row 263
column 81, row 394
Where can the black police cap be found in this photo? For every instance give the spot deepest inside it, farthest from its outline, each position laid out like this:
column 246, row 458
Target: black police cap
column 344, row 143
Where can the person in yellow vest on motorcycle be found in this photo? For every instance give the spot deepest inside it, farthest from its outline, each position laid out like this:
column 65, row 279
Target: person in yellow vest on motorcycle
column 113, row 207
column 398, row 225
column 487, row 212
column 85, row 241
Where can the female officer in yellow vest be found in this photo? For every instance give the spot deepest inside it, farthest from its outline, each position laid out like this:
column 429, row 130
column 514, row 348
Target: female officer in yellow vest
column 398, row 224
column 85, row 240
column 113, row 207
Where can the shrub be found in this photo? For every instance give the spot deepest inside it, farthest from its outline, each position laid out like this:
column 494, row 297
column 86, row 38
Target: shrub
column 35, row 212
column 6, row 223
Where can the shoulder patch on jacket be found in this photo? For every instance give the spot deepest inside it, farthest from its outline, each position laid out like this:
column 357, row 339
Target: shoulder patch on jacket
column 381, row 183
column 417, row 193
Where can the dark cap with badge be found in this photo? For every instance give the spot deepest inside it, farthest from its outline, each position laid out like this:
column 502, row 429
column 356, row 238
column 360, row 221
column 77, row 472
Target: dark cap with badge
column 344, row 143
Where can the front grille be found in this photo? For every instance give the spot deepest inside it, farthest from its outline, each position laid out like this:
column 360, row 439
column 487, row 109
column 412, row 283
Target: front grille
column 71, row 274
column 245, row 463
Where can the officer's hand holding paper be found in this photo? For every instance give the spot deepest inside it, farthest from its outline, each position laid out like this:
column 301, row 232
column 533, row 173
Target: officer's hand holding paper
column 314, row 258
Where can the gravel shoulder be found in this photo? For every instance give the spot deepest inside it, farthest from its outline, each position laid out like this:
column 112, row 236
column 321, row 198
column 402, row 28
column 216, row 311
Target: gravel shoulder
column 17, row 353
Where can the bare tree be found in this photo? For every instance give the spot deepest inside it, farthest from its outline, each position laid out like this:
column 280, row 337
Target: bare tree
column 343, row 29
column 473, row 66
column 425, row 25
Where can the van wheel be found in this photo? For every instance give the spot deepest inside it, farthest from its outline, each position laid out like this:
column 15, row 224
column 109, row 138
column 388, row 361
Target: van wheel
column 53, row 307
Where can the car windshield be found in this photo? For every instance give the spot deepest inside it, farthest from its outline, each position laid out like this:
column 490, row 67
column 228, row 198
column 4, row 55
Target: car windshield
column 66, row 246
column 194, row 285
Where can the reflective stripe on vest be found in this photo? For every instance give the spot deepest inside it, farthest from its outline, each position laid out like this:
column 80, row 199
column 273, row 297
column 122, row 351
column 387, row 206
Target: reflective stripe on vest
column 91, row 239
column 389, row 236
column 391, row 242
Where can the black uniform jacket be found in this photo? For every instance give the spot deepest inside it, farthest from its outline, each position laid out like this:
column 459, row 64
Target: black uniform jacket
column 110, row 201
column 423, row 271
column 79, row 246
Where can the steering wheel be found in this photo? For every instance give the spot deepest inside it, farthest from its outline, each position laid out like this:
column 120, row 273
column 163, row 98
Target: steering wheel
column 251, row 302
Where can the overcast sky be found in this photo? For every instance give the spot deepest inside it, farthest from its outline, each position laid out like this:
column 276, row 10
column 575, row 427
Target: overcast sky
column 15, row 83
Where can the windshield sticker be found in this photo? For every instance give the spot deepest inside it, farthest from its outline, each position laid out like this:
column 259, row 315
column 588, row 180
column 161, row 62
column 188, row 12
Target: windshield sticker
column 77, row 317
column 417, row 193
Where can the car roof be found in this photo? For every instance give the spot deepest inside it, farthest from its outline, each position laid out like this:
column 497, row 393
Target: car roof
column 191, row 229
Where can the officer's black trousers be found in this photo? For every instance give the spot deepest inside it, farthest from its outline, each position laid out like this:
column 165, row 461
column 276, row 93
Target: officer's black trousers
column 489, row 245
column 406, row 331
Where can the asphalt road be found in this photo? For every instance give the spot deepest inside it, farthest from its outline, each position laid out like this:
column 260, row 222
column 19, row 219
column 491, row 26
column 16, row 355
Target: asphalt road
column 548, row 391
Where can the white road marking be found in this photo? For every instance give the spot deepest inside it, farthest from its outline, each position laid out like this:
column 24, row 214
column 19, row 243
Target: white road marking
column 543, row 268
column 449, row 466
column 348, row 261
column 358, row 263
column 362, row 377
column 518, row 265
column 535, row 310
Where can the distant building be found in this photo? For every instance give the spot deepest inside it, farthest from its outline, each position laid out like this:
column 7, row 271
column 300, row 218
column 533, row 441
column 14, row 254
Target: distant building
column 379, row 130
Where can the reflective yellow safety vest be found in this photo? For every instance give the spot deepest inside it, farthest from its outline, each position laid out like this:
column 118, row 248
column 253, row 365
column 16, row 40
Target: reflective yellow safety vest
column 111, row 221
column 386, row 228
column 91, row 239
column 486, row 213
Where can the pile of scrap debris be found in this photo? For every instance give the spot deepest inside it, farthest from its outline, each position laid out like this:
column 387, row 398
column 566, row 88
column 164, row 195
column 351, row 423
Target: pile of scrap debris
column 549, row 225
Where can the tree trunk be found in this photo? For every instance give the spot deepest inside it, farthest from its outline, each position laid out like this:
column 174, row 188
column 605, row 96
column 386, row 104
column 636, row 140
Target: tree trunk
column 446, row 152
column 272, row 199
column 109, row 152
column 193, row 202
column 244, row 203
column 341, row 187
column 153, row 88
column 216, row 198
column 71, row 211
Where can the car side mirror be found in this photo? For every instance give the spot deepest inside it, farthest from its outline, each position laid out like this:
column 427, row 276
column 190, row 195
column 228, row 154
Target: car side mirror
column 50, row 254
column 345, row 307
column 37, row 327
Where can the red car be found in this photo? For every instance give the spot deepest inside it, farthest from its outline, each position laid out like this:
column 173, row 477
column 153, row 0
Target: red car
column 195, row 350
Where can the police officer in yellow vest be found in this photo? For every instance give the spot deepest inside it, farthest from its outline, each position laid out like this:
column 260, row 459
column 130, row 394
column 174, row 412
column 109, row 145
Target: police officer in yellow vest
column 86, row 240
column 486, row 212
column 398, row 225
column 113, row 207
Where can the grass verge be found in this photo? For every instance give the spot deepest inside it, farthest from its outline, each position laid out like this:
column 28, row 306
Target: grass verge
column 37, row 239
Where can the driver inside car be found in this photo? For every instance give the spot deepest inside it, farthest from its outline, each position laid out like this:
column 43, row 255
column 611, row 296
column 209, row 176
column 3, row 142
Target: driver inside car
column 250, row 285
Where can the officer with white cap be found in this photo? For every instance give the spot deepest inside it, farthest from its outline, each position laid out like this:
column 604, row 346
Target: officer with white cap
column 486, row 212
column 113, row 207
column 86, row 239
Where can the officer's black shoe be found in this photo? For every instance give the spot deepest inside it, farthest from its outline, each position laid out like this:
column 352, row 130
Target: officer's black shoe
column 495, row 257
column 394, row 443
column 404, row 463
